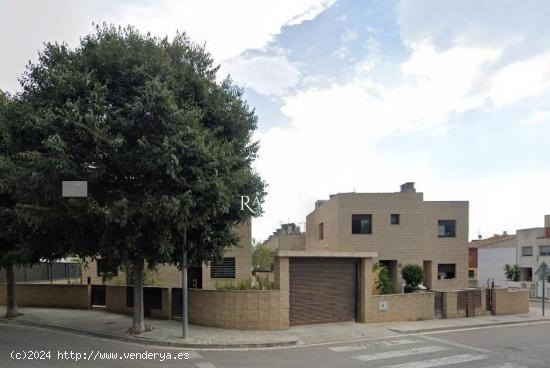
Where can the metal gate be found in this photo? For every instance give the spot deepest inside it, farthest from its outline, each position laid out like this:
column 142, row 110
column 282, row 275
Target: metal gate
column 98, row 295
column 468, row 300
column 322, row 290
column 489, row 299
column 438, row 304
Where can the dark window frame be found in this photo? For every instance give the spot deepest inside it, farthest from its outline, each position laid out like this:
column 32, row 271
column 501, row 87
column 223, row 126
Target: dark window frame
column 225, row 269
column 104, row 267
column 357, row 224
column 530, row 247
column 321, row 231
column 545, row 253
column 395, row 219
column 446, row 223
column 448, row 275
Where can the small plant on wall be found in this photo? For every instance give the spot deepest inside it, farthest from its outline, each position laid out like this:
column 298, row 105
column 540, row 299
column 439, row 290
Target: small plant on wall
column 381, row 280
column 413, row 275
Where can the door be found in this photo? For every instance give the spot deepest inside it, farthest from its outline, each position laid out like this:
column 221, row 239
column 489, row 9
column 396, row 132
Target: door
column 322, row 290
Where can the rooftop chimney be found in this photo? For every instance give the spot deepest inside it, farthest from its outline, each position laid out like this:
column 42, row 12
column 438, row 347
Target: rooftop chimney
column 408, row 187
column 319, row 203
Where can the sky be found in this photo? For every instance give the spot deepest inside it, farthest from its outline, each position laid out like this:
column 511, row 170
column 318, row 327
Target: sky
column 359, row 95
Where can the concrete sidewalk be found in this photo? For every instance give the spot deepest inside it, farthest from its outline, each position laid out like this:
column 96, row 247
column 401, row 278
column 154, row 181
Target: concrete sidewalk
column 167, row 333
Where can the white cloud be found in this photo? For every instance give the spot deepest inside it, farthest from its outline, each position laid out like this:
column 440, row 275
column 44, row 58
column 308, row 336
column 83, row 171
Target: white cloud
column 331, row 143
column 268, row 75
column 227, row 27
column 537, row 117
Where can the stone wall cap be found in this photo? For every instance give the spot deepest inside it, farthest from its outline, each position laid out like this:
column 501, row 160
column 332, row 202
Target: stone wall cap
column 325, row 254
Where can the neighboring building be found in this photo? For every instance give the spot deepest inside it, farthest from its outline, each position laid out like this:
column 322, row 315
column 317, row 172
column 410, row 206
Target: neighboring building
column 472, row 266
column 235, row 266
column 491, row 255
column 533, row 248
column 402, row 228
column 287, row 237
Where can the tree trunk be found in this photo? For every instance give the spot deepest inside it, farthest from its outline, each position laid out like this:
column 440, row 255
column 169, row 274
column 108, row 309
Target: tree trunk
column 138, row 315
column 11, row 310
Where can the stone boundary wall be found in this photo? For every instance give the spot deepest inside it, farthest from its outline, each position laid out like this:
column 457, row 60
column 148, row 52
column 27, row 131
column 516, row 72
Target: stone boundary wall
column 450, row 305
column 238, row 309
column 115, row 302
column 50, row 296
column 400, row 307
column 510, row 301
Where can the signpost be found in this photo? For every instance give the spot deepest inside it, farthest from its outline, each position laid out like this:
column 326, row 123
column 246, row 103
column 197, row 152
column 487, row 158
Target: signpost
column 543, row 272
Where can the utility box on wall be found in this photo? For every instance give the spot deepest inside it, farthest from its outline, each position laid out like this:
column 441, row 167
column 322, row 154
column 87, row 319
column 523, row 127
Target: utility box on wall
column 383, row 305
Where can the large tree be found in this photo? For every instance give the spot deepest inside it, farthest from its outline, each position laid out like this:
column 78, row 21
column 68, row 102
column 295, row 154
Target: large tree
column 165, row 148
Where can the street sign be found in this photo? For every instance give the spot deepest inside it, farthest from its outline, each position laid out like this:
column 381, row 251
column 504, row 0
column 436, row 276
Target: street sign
column 543, row 271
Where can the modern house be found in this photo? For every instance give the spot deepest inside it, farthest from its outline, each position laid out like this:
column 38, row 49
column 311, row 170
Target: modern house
column 287, row 237
column 235, row 266
column 533, row 248
column 401, row 228
column 491, row 255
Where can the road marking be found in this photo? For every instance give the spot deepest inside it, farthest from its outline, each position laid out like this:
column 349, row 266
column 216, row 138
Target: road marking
column 205, row 365
column 339, row 349
column 506, row 365
column 397, row 342
column 439, row 362
column 456, row 344
column 400, row 353
column 194, row 355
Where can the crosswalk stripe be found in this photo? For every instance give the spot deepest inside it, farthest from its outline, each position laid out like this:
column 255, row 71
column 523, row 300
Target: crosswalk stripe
column 400, row 353
column 439, row 362
column 339, row 349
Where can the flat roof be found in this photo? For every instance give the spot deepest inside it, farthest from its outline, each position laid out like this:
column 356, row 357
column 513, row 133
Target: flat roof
column 325, row 254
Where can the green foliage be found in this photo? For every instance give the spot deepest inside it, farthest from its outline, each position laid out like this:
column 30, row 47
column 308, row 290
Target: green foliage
column 262, row 258
column 512, row 272
column 413, row 275
column 262, row 283
column 384, row 282
column 164, row 146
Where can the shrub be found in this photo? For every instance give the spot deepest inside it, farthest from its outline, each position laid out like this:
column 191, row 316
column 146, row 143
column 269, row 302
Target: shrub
column 262, row 283
column 384, row 282
column 512, row 272
column 413, row 275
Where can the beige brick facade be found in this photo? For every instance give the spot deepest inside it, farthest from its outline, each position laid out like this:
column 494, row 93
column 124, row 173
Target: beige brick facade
column 400, row 307
column 242, row 310
column 414, row 240
column 50, row 296
column 170, row 276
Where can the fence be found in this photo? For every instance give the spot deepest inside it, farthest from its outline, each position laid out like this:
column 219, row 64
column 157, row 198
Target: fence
column 43, row 272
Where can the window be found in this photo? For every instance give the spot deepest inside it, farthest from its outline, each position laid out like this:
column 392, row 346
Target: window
column 361, row 224
column 321, row 235
column 526, row 251
column 446, row 228
column 104, row 267
column 446, row 271
column 224, row 269
column 471, row 274
column 394, row 219
column 544, row 250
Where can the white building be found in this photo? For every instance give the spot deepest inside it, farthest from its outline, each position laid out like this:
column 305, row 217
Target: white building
column 492, row 255
column 533, row 248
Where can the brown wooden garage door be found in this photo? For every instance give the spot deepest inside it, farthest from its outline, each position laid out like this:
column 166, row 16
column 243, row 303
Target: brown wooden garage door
column 322, row 290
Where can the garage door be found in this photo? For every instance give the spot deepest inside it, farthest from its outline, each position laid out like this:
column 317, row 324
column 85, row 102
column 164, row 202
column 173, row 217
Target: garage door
column 322, row 290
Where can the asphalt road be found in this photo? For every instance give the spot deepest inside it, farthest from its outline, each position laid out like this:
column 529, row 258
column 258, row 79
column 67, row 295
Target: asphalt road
column 498, row 347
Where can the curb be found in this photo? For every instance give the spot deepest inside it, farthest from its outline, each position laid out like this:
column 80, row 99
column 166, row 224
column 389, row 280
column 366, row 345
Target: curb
column 451, row 328
column 148, row 341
